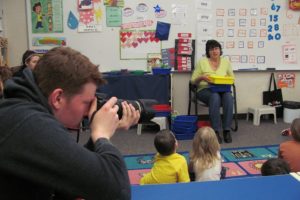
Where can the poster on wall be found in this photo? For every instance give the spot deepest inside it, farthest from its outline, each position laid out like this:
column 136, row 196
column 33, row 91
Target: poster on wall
column 46, row 16
column 91, row 17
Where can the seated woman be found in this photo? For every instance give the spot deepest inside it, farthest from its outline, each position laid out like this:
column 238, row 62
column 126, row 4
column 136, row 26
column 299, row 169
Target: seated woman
column 29, row 59
column 214, row 64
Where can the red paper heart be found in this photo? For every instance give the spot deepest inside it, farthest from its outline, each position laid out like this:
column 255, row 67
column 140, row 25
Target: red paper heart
column 140, row 40
column 129, row 34
column 146, row 39
column 123, row 39
column 134, row 44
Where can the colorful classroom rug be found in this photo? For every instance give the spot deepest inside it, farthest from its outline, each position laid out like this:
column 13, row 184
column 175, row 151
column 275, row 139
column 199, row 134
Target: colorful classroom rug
column 239, row 162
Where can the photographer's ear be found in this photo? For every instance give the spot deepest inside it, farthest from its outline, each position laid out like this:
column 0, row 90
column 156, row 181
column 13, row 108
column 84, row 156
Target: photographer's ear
column 56, row 98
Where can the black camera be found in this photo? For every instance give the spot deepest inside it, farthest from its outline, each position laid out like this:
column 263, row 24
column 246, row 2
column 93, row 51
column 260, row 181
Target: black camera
column 143, row 105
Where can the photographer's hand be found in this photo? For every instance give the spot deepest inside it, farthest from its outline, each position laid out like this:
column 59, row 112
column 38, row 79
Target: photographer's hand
column 105, row 121
column 130, row 116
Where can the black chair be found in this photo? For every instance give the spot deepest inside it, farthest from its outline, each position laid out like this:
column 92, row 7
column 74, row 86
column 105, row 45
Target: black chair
column 193, row 99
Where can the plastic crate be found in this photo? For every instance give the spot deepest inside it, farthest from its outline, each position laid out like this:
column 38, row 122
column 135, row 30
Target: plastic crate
column 221, row 79
column 183, row 136
column 184, row 129
column 158, row 70
column 220, row 87
column 189, row 119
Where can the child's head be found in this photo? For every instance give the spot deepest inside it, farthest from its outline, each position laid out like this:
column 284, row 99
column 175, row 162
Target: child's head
column 295, row 129
column 205, row 142
column 275, row 166
column 165, row 142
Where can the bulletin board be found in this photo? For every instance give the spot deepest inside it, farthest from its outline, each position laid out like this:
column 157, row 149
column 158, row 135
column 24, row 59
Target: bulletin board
column 256, row 34
column 103, row 42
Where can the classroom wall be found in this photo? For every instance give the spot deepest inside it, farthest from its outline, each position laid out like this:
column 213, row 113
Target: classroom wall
column 249, row 84
column 15, row 29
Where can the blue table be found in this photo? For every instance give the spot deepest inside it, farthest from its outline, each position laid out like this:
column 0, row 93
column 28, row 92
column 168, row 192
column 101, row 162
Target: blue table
column 253, row 188
column 133, row 87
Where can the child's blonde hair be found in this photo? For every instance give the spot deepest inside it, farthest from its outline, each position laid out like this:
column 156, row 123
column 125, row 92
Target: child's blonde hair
column 205, row 149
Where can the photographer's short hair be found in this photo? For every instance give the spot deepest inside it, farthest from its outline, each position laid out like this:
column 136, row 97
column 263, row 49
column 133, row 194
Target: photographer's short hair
column 295, row 129
column 164, row 142
column 66, row 68
column 275, row 166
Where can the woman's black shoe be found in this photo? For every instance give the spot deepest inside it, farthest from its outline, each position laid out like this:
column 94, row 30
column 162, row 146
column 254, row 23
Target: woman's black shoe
column 227, row 136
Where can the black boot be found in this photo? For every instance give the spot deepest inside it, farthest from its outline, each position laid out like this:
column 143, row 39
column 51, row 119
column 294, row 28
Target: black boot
column 227, row 136
column 219, row 137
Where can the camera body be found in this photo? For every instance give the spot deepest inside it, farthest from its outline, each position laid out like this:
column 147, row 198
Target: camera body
column 144, row 106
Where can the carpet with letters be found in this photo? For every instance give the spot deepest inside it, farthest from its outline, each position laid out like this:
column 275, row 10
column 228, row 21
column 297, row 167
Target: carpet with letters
column 239, row 162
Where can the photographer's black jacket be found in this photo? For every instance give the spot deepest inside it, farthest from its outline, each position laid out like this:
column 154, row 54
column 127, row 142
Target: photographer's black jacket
column 39, row 158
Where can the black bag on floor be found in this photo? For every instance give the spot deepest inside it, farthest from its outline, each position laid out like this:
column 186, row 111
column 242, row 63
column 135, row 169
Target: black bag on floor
column 274, row 97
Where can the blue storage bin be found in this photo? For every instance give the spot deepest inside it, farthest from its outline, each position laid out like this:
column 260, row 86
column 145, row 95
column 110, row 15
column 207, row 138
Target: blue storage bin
column 161, row 70
column 220, row 87
column 186, row 119
column 183, row 128
column 183, row 136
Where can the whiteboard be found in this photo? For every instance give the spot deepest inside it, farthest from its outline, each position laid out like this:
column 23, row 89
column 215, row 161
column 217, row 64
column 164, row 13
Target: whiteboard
column 103, row 48
column 254, row 34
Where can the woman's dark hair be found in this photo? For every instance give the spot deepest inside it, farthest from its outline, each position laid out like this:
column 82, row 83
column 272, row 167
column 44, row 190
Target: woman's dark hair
column 275, row 166
column 210, row 44
column 27, row 55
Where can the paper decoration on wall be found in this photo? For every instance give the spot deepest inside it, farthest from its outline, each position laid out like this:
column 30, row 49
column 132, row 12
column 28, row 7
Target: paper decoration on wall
column 142, row 7
column 113, row 16
column 49, row 41
column 153, row 60
column 162, row 30
column 86, row 17
column 118, row 3
column 127, row 12
column 137, row 44
column 286, row 80
column 157, row 8
column 294, row 4
column 90, row 20
column 131, row 39
column 72, row 21
column 168, row 57
column 85, row 4
column 138, row 24
column 289, row 53
column 42, row 16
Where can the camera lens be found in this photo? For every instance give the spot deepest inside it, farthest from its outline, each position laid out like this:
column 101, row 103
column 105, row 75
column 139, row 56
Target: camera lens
column 144, row 106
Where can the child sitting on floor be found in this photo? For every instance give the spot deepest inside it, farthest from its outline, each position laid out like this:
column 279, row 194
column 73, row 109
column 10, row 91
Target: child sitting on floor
column 169, row 166
column 289, row 150
column 275, row 166
column 205, row 157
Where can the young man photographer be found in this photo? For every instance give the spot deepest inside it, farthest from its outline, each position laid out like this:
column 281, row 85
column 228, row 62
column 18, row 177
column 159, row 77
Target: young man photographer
column 39, row 158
